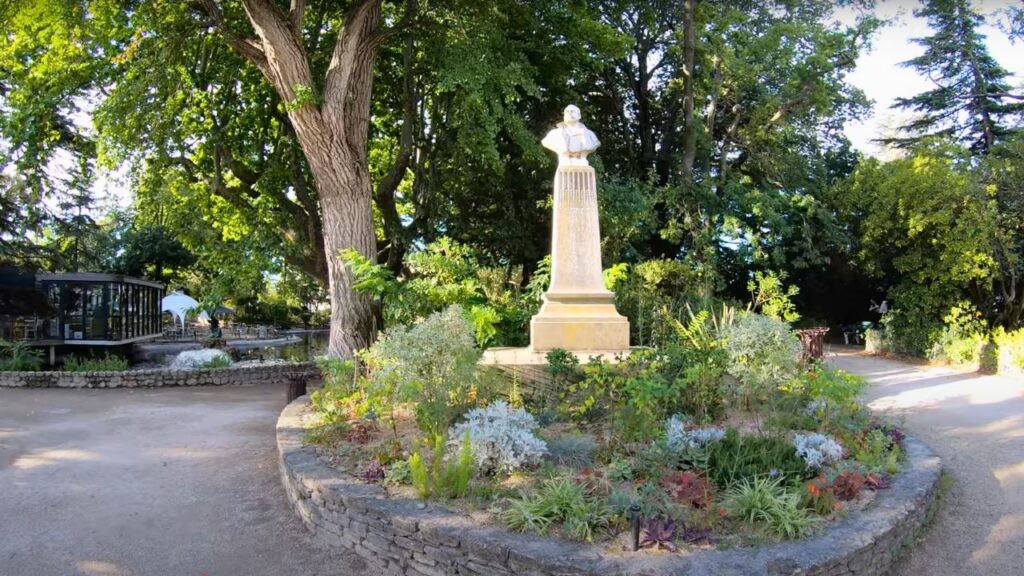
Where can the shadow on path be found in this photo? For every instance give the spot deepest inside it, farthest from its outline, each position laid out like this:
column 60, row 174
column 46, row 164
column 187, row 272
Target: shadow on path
column 976, row 424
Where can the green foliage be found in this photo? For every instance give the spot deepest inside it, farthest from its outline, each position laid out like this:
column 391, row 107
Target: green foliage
column 654, row 294
column 971, row 100
column 769, row 296
column 736, row 458
column 879, row 453
column 19, row 357
column 432, row 476
column 762, row 356
column 765, row 501
column 334, row 401
column 445, row 274
column 925, row 224
column 216, row 362
column 398, row 473
column 432, row 364
column 830, row 392
column 1011, row 348
column 963, row 335
column 558, row 500
column 108, row 363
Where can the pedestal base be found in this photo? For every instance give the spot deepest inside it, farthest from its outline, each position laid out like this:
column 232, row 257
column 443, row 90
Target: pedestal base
column 577, row 322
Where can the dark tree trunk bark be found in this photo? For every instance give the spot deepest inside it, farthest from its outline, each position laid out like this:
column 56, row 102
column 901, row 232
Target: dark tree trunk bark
column 332, row 135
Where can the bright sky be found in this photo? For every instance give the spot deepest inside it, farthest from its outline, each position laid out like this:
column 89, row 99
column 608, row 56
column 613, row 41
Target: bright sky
column 881, row 77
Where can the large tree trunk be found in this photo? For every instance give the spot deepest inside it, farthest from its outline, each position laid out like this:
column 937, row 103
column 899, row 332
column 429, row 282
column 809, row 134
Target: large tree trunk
column 348, row 223
column 332, row 134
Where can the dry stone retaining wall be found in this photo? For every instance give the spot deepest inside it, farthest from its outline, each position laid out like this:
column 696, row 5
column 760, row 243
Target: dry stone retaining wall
column 266, row 374
column 409, row 538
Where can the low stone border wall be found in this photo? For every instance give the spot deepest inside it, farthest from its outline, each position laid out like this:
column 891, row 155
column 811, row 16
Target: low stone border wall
column 407, row 537
column 268, row 374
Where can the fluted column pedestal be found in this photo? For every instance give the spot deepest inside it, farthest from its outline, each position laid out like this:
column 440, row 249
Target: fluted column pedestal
column 578, row 313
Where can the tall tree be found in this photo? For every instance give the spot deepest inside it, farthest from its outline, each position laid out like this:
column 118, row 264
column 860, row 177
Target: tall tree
column 972, row 101
column 330, row 114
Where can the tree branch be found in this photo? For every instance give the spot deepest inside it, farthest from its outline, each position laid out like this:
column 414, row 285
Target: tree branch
column 295, row 15
column 248, row 47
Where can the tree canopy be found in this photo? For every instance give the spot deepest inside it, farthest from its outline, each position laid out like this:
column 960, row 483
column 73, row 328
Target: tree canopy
column 261, row 139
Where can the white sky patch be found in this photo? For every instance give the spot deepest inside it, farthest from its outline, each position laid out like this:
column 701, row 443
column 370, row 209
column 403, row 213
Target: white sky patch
column 882, row 79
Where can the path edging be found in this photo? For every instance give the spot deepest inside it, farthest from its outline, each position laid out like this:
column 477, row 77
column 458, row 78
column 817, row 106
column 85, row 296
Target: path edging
column 157, row 377
column 407, row 537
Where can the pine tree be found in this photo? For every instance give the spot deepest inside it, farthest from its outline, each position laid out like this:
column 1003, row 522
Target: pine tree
column 971, row 103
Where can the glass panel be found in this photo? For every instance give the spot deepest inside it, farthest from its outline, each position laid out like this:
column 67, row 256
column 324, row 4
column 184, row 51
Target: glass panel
column 115, row 311
column 74, row 312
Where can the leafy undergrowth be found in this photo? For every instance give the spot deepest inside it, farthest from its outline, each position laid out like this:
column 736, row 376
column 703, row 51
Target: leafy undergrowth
column 720, row 439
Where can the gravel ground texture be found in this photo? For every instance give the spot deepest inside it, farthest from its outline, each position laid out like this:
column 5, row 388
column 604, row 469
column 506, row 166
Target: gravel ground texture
column 976, row 424
column 149, row 482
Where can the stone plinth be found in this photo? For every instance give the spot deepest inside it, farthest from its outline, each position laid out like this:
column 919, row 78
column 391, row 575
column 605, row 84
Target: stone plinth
column 578, row 312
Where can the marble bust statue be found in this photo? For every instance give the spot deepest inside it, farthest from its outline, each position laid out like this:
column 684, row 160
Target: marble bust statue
column 571, row 140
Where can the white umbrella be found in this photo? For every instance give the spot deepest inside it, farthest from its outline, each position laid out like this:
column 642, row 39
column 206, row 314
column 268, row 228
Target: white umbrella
column 178, row 305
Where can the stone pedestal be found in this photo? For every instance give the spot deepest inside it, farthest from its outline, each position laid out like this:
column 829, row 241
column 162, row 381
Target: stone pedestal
column 578, row 312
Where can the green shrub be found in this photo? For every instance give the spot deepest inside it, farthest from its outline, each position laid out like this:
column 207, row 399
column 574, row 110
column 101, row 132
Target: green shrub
column 766, row 501
column 736, row 458
column 558, row 500
column 763, row 355
column 827, row 392
column 19, row 357
column 336, row 399
column 1011, row 348
column 573, row 450
column 879, row 453
column 769, row 296
column 432, row 365
column 445, row 273
column 108, row 363
column 653, row 295
column 442, row 479
column 962, row 338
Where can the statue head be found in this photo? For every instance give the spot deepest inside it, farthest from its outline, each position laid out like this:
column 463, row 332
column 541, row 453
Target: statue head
column 571, row 114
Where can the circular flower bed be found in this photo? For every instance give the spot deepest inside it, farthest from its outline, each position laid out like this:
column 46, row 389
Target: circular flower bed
column 403, row 535
column 719, row 442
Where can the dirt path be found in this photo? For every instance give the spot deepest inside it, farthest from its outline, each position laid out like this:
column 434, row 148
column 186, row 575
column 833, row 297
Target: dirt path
column 175, row 482
column 976, row 424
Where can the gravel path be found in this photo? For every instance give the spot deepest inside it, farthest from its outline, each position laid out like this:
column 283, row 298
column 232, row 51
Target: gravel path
column 976, row 424
column 149, row 482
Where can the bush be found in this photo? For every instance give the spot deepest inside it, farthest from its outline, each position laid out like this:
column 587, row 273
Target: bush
column 335, row 399
column 432, row 476
column 432, row 364
column 19, row 357
column 574, row 450
column 880, row 453
column 762, row 355
column 817, row 450
column 736, row 458
column 681, row 435
column 558, row 500
column 963, row 337
column 501, row 438
column 1011, row 348
column 107, row 363
column 764, row 500
column 828, row 392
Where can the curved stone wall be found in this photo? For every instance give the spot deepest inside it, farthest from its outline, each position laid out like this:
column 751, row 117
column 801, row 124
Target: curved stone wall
column 265, row 374
column 407, row 537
